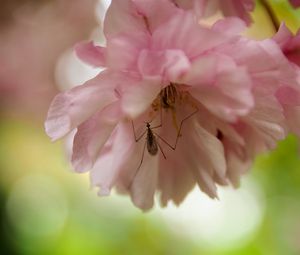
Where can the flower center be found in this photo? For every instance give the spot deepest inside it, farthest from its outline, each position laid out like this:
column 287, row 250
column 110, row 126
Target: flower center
column 168, row 96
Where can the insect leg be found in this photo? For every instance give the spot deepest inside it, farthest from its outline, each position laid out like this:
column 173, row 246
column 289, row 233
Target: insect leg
column 160, row 125
column 137, row 170
column 178, row 134
column 162, row 152
column 140, row 137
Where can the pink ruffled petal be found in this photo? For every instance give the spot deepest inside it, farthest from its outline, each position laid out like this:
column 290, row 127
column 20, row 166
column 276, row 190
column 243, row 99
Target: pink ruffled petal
column 174, row 182
column 231, row 26
column 183, row 32
column 289, row 95
column 92, row 135
column 292, row 115
column 239, row 8
column 289, row 98
column 267, row 121
column 116, row 159
column 211, row 152
column 122, row 17
column 69, row 109
column 169, row 64
column 227, row 88
column 235, row 168
column 123, row 50
column 175, row 179
column 150, row 9
column 283, row 35
column 138, row 96
column 295, row 3
column 144, row 183
column 90, row 54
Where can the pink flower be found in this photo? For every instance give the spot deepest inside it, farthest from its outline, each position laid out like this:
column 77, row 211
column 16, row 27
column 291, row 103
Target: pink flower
column 207, row 92
column 289, row 96
column 289, row 43
column 268, row 120
column 238, row 8
column 295, row 3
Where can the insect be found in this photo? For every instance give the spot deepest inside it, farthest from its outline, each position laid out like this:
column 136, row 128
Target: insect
column 152, row 139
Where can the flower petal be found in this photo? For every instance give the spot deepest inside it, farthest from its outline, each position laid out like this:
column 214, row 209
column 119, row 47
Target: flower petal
column 138, row 96
column 144, row 183
column 283, row 35
column 90, row 54
column 69, row 109
column 229, row 96
column 295, row 3
column 183, row 32
column 150, row 9
column 113, row 161
column 92, row 135
column 239, row 8
column 169, row 64
column 123, row 50
column 231, row 26
column 123, row 16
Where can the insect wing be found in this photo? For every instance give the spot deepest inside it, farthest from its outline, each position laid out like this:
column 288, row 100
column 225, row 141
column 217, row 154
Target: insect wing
column 151, row 143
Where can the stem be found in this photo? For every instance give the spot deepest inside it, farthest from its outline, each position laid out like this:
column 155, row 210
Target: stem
column 271, row 13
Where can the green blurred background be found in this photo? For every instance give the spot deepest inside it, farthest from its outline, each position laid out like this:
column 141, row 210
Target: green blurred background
column 45, row 208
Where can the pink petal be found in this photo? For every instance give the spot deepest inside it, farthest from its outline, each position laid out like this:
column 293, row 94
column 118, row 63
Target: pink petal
column 203, row 71
column 295, row 3
column 123, row 50
column 292, row 114
column 150, row 9
column 256, row 50
column 290, row 100
column 210, row 151
column 239, row 8
column 288, row 95
column 283, row 35
column 116, row 159
column 230, row 93
column 174, row 182
column 175, row 179
column 123, row 16
column 170, row 64
column 204, row 180
column 183, row 32
column 91, row 54
column 231, row 26
column 267, row 120
column 235, row 168
column 69, row 109
column 138, row 96
column 144, row 183
column 92, row 135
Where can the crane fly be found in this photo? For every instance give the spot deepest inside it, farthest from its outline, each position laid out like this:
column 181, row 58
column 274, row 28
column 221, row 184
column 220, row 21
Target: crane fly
column 151, row 141
column 153, row 138
column 168, row 98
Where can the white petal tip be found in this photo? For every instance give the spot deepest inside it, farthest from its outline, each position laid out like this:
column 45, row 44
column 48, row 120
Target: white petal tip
column 104, row 192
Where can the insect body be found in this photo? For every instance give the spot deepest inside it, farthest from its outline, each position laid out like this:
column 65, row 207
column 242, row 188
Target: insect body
column 151, row 141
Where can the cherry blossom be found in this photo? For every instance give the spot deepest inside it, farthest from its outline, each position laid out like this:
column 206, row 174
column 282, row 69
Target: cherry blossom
column 178, row 104
column 204, row 8
column 295, row 3
column 289, row 43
